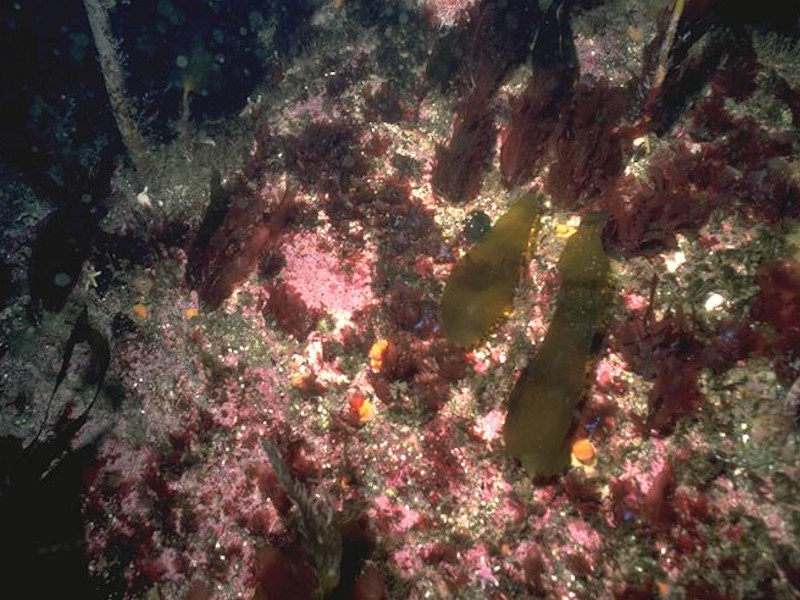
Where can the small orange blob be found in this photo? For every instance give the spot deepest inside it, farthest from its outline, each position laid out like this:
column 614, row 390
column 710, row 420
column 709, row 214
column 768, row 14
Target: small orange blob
column 377, row 354
column 583, row 450
column 366, row 412
column 361, row 408
column 139, row 311
column 191, row 313
column 306, row 383
column 663, row 588
column 355, row 401
column 635, row 34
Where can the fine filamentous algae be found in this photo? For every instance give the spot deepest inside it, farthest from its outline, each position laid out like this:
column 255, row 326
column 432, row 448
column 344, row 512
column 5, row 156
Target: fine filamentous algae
column 480, row 290
column 545, row 399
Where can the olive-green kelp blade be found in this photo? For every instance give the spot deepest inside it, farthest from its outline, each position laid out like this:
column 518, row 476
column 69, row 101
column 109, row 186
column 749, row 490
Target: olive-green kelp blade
column 543, row 402
column 480, row 289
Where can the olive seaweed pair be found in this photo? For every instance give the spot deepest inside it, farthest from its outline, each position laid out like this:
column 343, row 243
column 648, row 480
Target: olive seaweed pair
column 480, row 292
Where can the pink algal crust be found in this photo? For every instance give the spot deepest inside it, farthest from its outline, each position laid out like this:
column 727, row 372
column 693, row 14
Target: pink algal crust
column 448, row 13
column 326, row 281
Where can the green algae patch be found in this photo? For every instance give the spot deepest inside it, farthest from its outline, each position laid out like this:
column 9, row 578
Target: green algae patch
column 480, row 290
column 544, row 400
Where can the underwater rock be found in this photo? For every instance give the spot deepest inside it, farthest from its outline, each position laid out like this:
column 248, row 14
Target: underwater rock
column 542, row 404
column 42, row 480
column 477, row 225
column 480, row 289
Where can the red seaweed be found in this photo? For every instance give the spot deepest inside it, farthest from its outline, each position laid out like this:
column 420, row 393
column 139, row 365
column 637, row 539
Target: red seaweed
column 778, row 301
column 500, row 36
column 657, row 507
column 251, row 227
column 493, row 37
column 674, row 395
column 534, row 114
column 289, row 311
column 646, row 343
column 669, row 353
column 325, row 154
column 588, row 146
column 382, row 104
column 533, row 119
column 645, row 217
column 778, row 305
column 461, row 163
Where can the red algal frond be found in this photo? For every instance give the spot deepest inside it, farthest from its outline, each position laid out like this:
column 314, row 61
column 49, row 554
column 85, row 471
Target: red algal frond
column 624, row 500
column 383, row 104
column 534, row 116
column 674, row 395
column 405, row 226
column 657, row 507
column 325, row 154
column 430, row 391
column 668, row 352
column 778, row 305
column 251, row 227
column 770, row 189
column 737, row 78
column 731, row 342
column 648, row 344
column 533, row 566
column 448, row 13
column 582, row 492
column 460, row 165
column 285, row 573
column 588, row 146
column 451, row 362
column 409, row 311
column 493, row 37
column 646, row 216
column 499, row 39
column 778, row 301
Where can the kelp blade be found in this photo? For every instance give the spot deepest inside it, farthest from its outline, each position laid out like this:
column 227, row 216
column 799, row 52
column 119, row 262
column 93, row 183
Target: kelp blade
column 544, row 400
column 480, row 289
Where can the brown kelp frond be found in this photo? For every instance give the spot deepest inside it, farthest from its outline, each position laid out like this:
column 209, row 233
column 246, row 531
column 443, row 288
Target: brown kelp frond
column 480, row 289
column 542, row 404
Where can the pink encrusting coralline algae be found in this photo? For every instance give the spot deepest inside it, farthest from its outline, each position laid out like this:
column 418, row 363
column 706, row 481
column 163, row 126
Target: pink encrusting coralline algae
column 326, row 281
column 448, row 13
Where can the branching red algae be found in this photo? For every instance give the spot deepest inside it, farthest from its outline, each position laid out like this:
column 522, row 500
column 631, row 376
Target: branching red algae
column 481, row 288
column 543, row 402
